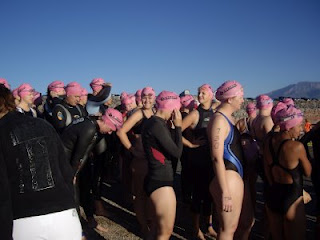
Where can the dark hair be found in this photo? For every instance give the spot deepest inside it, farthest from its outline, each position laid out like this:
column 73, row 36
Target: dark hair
column 6, row 100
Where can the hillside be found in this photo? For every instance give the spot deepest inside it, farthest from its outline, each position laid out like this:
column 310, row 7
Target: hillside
column 299, row 90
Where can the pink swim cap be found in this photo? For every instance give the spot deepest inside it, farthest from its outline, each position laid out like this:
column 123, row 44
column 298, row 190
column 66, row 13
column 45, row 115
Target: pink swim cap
column 55, row 86
column 96, row 84
column 15, row 93
column 288, row 101
column 207, row 88
column 73, row 89
column 148, row 91
column 4, row 82
column 229, row 89
column 25, row 89
column 168, row 101
column 251, row 108
column 276, row 108
column 289, row 118
column 264, row 102
column 138, row 95
column 130, row 98
column 123, row 95
column 113, row 119
column 187, row 101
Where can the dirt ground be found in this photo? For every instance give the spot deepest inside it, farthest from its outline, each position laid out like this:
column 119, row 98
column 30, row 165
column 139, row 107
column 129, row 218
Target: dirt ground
column 122, row 224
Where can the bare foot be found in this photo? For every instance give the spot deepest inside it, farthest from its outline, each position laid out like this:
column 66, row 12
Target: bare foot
column 100, row 228
column 211, row 231
column 306, row 197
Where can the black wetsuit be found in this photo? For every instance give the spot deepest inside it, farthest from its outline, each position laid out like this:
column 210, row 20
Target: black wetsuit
column 160, row 148
column 64, row 114
column 79, row 139
column 201, row 165
column 48, row 107
column 280, row 196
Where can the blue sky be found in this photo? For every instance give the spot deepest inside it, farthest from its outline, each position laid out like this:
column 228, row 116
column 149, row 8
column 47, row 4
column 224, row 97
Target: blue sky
column 167, row 44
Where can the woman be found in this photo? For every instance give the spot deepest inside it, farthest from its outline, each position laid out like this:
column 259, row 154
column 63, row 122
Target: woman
column 244, row 124
column 130, row 137
column 160, row 149
column 199, row 157
column 227, row 186
column 285, row 160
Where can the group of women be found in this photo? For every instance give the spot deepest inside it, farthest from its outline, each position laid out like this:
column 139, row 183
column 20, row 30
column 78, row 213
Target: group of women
column 219, row 156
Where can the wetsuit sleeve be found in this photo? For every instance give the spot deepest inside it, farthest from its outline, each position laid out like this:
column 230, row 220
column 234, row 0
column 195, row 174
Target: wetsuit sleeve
column 6, row 218
column 173, row 147
column 102, row 96
column 84, row 145
column 59, row 118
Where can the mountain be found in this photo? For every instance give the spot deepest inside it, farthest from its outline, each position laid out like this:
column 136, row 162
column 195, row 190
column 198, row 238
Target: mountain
column 299, row 90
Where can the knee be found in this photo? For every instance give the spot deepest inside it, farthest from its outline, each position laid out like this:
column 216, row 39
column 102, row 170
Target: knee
column 230, row 229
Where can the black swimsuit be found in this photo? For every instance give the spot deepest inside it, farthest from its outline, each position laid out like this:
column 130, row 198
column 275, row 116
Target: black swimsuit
column 280, row 196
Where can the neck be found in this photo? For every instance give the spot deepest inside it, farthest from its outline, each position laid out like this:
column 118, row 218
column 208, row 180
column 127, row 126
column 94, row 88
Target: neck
column 206, row 105
column 25, row 106
column 161, row 114
column 265, row 112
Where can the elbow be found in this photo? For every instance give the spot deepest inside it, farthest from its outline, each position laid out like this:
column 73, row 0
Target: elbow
column 308, row 172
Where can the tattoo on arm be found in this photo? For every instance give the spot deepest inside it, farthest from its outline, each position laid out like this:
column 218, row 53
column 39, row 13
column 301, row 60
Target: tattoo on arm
column 216, row 139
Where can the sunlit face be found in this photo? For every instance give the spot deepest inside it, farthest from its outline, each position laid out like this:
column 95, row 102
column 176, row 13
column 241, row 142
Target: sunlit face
column 237, row 102
column 147, row 101
column 28, row 96
column 204, row 96
column 73, row 100
column 83, row 100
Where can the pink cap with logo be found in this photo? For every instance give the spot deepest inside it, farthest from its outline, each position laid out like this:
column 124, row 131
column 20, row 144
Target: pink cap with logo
column 113, row 119
column 55, row 86
column 229, row 89
column 25, row 89
column 73, row 89
column 276, row 108
column 289, row 117
column 288, row 101
column 4, row 82
column 97, row 83
column 168, row 101
column 148, row 91
column 251, row 108
column 264, row 102
column 206, row 87
column 187, row 101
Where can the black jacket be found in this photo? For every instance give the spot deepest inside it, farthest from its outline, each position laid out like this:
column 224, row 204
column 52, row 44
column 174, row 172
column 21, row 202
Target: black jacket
column 35, row 178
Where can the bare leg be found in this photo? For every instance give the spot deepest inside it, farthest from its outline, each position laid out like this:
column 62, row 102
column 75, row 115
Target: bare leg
column 164, row 201
column 197, row 233
column 228, row 221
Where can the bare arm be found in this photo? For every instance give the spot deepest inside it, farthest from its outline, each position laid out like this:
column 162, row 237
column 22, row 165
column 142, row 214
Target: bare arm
column 191, row 120
column 217, row 132
column 127, row 126
column 303, row 159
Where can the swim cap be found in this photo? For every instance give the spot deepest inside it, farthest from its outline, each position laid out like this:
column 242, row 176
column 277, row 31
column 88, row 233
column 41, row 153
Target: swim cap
column 25, row 89
column 148, row 91
column 288, row 101
column 130, row 98
column 73, row 89
column 123, row 95
column 264, row 102
column 229, row 89
column 15, row 93
column 138, row 95
column 55, row 86
column 113, row 119
column 5, row 83
column 251, row 108
column 187, row 101
column 96, row 84
column 168, row 101
column 207, row 88
column 289, row 118
column 276, row 108
column 84, row 93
